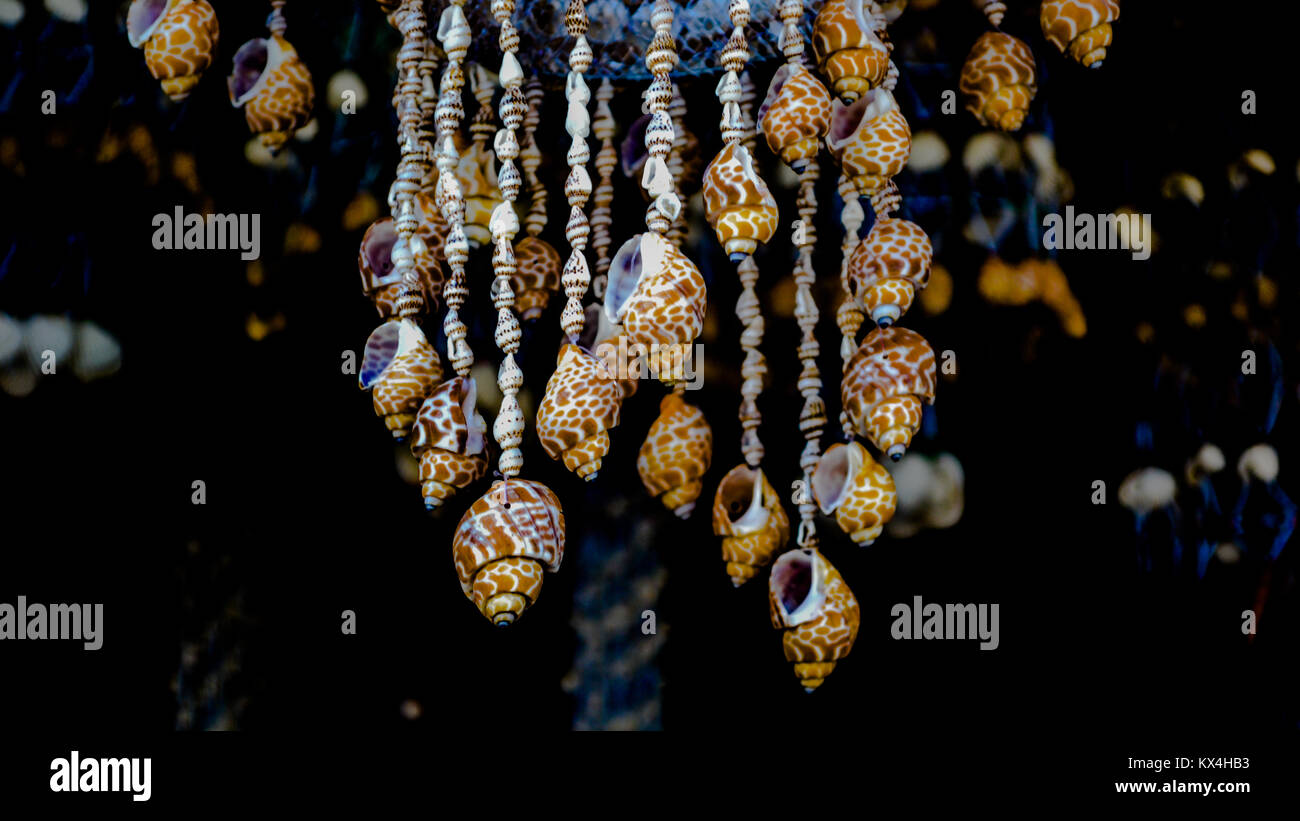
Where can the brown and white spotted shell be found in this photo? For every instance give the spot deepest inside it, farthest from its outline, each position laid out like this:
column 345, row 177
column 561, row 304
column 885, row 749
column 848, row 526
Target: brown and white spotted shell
column 478, row 184
column 1080, row 26
column 738, row 204
column 885, row 382
column 809, row 600
column 380, row 282
column 179, row 38
column 581, row 405
column 747, row 514
column 999, row 81
column 870, row 139
column 449, row 438
column 856, row 489
column 888, row 267
column 847, row 49
column 795, row 115
column 536, row 276
column 503, row 544
column 655, row 293
column 274, row 88
column 993, row 10
column 400, row 368
column 676, row 454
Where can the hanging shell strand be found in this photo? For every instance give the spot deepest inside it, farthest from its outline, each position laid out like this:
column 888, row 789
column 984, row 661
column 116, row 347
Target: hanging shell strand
column 508, row 428
column 602, row 216
column 659, row 296
column 399, row 365
column 577, row 187
column 449, row 437
column 538, row 263
column 514, row 533
column 455, row 35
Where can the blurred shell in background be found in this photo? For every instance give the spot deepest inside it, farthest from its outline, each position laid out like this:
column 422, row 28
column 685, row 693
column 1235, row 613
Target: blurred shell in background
column 931, row 493
column 84, row 349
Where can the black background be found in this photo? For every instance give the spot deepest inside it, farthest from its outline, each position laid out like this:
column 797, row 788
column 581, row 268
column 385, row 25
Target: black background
column 1096, row 663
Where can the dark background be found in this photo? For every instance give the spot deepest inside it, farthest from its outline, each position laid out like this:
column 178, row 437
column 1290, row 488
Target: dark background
column 306, row 516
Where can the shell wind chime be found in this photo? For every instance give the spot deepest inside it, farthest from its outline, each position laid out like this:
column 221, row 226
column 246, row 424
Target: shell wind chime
column 179, row 38
column 642, row 300
column 515, row 532
column 272, row 84
column 1081, row 27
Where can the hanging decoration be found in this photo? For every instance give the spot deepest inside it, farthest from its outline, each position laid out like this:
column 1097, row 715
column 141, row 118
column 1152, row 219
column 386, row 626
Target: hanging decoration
column 1081, row 27
column 272, row 84
column 538, row 272
column 747, row 514
column 179, row 38
column 515, row 532
column 657, row 296
column 999, row 81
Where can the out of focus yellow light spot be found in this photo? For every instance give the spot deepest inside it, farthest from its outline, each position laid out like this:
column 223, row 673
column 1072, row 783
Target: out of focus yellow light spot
column 937, row 296
column 360, row 212
column 1266, row 291
column 1194, row 316
column 255, row 273
column 1145, row 333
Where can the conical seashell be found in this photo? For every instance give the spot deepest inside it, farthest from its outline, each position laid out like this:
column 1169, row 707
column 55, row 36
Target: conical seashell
column 847, row 49
column 1082, row 26
column 536, row 277
column 581, row 405
column 737, row 202
column 795, row 115
column 381, row 283
column 999, row 81
column 274, row 88
column 888, row 267
column 993, row 10
column 655, row 293
column 402, row 368
column 676, row 454
column 812, row 604
column 747, row 514
column 870, row 139
column 449, row 438
column 478, row 182
column 178, row 37
column 885, row 382
column 503, row 544
column 856, row 489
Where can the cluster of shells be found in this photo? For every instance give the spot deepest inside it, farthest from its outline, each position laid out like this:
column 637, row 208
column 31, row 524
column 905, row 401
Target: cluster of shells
column 268, row 79
column 654, row 295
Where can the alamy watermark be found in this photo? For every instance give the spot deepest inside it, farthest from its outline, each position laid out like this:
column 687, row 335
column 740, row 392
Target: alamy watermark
column 77, row 774
column 952, row 621
column 216, row 232
column 54, row 622
column 679, row 362
column 1084, row 232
